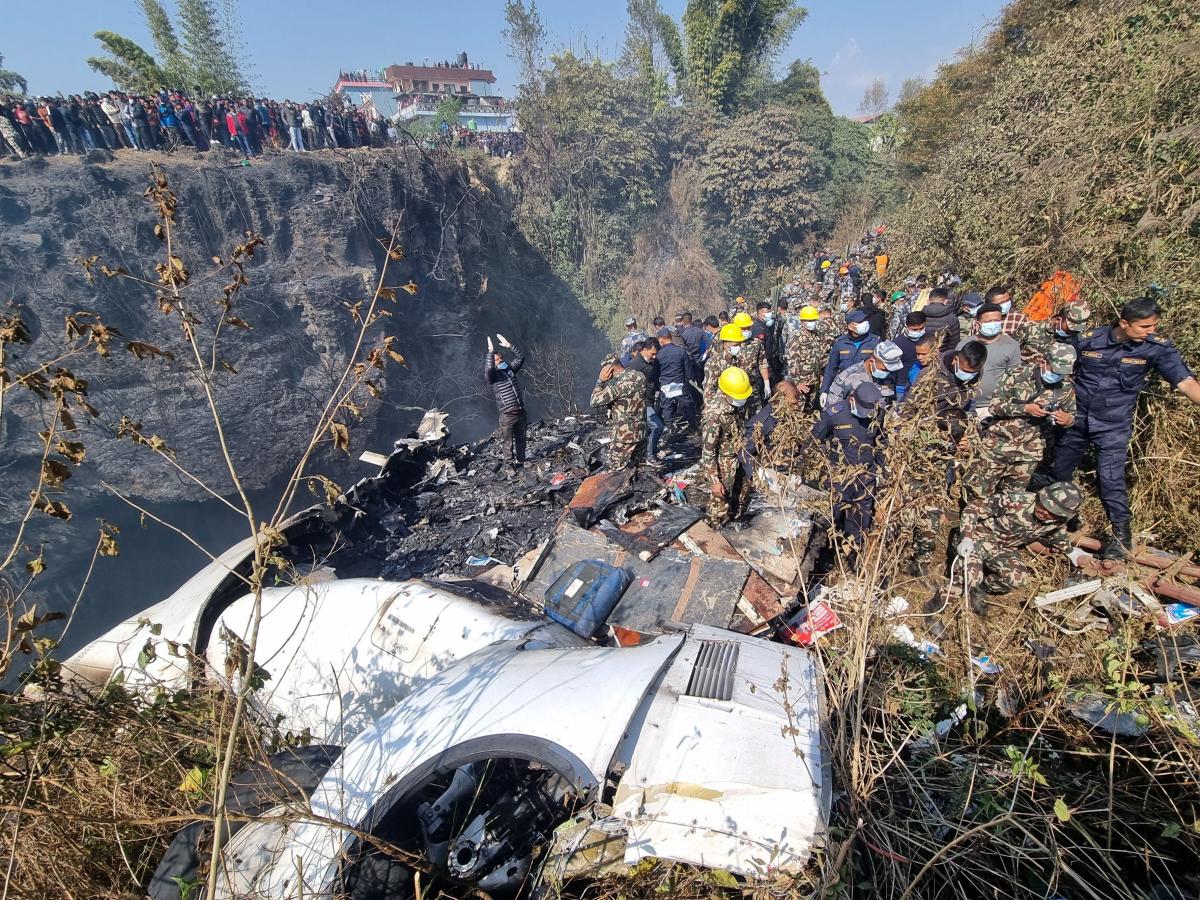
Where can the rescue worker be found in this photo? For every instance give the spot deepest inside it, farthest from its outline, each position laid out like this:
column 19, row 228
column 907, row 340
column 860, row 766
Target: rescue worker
column 1114, row 363
column 633, row 335
column 623, row 392
column 766, row 331
column 925, row 351
column 753, row 360
column 997, row 530
column 850, row 348
column 807, row 352
column 913, row 331
column 940, row 318
column 785, row 401
column 720, row 442
column 1029, row 405
column 676, row 372
column 945, row 393
column 851, row 430
column 502, row 376
column 725, row 352
column 882, row 368
column 644, row 359
column 691, row 337
column 1036, row 338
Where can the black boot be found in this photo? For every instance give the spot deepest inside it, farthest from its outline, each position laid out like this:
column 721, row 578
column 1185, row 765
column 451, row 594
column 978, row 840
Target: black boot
column 1120, row 545
column 978, row 601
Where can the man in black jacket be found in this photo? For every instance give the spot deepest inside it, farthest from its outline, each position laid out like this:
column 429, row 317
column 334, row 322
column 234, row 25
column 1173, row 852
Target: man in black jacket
column 644, row 359
column 676, row 372
column 502, row 376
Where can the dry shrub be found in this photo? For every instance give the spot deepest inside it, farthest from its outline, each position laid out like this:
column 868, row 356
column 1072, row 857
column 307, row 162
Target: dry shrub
column 1080, row 154
column 671, row 269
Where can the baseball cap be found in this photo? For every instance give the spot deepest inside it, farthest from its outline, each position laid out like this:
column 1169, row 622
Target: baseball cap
column 867, row 396
column 665, row 331
column 630, row 321
column 1061, row 358
column 1061, row 499
column 889, row 353
column 855, row 316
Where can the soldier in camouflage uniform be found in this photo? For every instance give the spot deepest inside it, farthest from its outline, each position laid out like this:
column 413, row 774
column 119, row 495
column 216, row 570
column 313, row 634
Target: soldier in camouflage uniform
column 726, row 351
column 1030, row 404
column 806, row 353
column 623, row 392
column 1036, row 338
column 997, row 530
column 722, row 436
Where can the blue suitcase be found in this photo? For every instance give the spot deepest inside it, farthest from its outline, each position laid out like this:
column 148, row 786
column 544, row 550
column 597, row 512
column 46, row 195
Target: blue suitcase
column 583, row 596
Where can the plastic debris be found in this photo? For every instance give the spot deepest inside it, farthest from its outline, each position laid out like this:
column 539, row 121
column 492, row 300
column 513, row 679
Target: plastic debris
column 482, row 561
column 985, row 665
column 1100, row 712
column 1180, row 612
column 815, row 621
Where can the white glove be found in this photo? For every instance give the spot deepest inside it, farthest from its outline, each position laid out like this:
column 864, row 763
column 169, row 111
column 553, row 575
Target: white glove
column 1076, row 555
column 491, row 347
column 766, row 390
column 823, row 399
column 504, row 342
column 966, row 547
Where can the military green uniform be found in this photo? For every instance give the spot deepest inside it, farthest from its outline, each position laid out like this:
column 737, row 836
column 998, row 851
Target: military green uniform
column 625, row 397
column 1002, row 527
column 722, row 433
column 1014, row 442
column 751, row 358
column 806, row 355
column 719, row 359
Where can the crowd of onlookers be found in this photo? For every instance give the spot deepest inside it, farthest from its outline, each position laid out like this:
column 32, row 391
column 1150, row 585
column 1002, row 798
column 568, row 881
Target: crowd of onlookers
column 38, row 126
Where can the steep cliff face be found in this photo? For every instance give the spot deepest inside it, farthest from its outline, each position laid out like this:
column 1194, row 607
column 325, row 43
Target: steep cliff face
column 321, row 217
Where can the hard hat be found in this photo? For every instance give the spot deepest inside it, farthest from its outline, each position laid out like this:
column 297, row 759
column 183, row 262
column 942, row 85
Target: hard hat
column 825, row 264
column 731, row 332
column 1061, row 499
column 743, row 320
column 844, row 270
column 739, row 300
column 809, row 314
column 1061, row 358
column 735, row 383
column 898, row 295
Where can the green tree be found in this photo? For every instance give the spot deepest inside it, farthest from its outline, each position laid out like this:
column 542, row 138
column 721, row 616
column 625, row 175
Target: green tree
column 526, row 36
column 728, row 45
column 129, row 66
column 170, row 57
column 211, row 63
column 11, row 81
column 761, row 179
column 446, row 114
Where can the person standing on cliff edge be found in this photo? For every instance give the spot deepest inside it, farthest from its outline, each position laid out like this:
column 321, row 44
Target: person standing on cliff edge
column 501, row 374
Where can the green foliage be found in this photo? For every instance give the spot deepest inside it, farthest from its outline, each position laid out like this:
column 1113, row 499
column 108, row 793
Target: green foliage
column 446, row 114
column 166, row 44
column 526, row 37
column 129, row 66
column 761, row 178
column 211, row 64
column 11, row 81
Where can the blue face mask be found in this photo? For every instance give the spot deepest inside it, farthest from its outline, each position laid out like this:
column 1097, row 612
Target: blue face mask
column 915, row 335
column 963, row 376
column 1051, row 377
column 881, row 374
column 990, row 329
column 1061, row 333
column 503, row 367
column 1006, row 307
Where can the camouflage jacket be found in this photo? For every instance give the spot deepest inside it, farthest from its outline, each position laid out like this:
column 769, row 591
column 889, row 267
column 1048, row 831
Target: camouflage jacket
column 625, row 397
column 749, row 357
column 721, row 437
column 629, row 340
column 1011, row 432
column 806, row 354
column 1036, row 339
column 1005, row 522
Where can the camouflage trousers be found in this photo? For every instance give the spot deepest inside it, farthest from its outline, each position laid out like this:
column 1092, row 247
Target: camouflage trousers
column 997, row 569
column 990, row 474
column 626, row 451
column 737, row 496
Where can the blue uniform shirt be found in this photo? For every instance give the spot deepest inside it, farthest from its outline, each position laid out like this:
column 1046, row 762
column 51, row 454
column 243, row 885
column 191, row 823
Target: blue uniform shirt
column 844, row 353
column 852, row 440
column 1109, row 374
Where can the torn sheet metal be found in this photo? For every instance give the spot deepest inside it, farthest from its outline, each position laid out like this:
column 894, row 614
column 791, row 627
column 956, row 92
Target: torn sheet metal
column 597, row 494
column 677, row 796
column 647, row 533
column 776, row 543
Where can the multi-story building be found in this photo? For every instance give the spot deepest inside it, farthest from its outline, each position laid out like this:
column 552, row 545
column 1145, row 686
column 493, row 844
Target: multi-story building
column 419, row 90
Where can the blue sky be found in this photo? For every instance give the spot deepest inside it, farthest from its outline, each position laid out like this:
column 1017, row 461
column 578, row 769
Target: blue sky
column 297, row 48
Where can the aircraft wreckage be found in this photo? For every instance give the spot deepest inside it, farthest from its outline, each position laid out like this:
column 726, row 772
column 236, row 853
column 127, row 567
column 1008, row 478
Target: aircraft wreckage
column 607, row 697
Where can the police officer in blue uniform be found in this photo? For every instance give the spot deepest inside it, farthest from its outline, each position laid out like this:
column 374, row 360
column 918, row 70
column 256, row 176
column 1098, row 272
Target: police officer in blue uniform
column 852, row 347
column 853, row 432
column 1111, row 370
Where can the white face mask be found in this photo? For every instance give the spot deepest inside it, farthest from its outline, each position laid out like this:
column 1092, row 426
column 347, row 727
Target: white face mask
column 861, row 327
column 811, row 326
column 915, row 335
column 738, row 403
column 880, row 374
column 769, row 319
column 1006, row 306
column 746, row 332
column 735, row 349
column 990, row 329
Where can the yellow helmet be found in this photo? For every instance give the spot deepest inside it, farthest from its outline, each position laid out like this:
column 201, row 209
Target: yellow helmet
column 735, row 383
column 743, row 320
column 740, row 301
column 731, row 332
column 809, row 314
column 825, row 264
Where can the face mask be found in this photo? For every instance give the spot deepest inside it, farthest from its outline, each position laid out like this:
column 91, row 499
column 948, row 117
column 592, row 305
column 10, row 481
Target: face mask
column 915, row 335
column 1006, row 306
column 856, row 412
column 990, row 329
column 843, row 306
column 1062, row 334
column 738, row 404
column 963, row 376
column 1051, row 377
column 862, row 327
column 770, row 319
column 746, row 332
column 503, row 366
column 811, row 326
column 735, row 349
